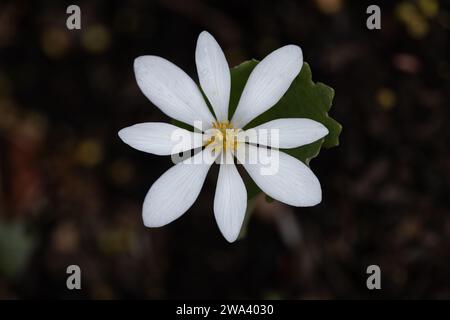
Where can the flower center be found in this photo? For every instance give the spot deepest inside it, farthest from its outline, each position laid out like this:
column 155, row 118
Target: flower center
column 222, row 135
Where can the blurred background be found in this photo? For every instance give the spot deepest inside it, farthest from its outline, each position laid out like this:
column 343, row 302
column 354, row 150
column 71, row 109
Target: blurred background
column 71, row 191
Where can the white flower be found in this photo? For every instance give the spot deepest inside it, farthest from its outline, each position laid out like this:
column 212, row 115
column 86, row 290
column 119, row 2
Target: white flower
column 177, row 95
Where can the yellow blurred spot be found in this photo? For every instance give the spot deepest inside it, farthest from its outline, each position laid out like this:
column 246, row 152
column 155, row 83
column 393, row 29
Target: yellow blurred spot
column 116, row 240
column 430, row 8
column 89, row 153
column 406, row 11
column 55, row 42
column 96, row 38
column 386, row 98
column 329, row 6
column 413, row 19
column 418, row 28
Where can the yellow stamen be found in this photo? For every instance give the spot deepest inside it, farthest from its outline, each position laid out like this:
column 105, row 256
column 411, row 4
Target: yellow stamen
column 224, row 135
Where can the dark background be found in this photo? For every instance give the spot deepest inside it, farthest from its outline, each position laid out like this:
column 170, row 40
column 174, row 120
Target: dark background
column 71, row 191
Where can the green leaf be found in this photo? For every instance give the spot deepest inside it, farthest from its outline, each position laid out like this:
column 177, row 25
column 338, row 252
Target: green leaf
column 304, row 99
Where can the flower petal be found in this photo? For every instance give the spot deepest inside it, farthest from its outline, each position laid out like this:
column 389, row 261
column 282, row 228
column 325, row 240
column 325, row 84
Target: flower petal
column 267, row 83
column 175, row 191
column 160, row 138
column 281, row 176
column 214, row 74
column 172, row 90
column 230, row 201
column 288, row 133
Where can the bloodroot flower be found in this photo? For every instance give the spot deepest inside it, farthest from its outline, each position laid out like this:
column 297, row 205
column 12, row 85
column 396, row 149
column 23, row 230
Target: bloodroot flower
column 220, row 139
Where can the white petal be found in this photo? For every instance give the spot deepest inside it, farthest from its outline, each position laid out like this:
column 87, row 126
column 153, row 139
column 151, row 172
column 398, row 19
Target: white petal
column 172, row 90
column 175, row 191
column 288, row 133
column 160, row 138
column 214, row 74
column 230, row 201
column 267, row 83
column 281, row 176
